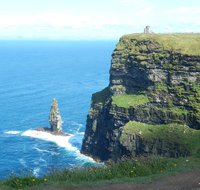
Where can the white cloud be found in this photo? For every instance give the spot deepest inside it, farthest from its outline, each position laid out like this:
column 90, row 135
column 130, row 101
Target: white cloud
column 185, row 11
column 122, row 16
column 59, row 25
column 133, row 3
column 184, row 19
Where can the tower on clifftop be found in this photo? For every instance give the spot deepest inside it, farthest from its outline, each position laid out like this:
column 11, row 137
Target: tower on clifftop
column 147, row 30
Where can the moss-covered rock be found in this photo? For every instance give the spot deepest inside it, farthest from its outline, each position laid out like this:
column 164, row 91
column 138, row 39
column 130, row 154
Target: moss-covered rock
column 167, row 140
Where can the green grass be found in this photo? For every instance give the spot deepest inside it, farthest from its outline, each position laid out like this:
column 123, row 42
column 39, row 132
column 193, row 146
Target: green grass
column 178, row 110
column 133, row 170
column 174, row 110
column 161, row 87
column 127, row 101
column 185, row 43
column 183, row 135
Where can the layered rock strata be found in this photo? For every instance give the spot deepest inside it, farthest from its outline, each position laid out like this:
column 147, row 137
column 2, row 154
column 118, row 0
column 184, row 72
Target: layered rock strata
column 55, row 120
column 154, row 81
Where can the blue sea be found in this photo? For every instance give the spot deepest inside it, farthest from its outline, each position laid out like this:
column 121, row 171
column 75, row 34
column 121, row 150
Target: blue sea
column 32, row 73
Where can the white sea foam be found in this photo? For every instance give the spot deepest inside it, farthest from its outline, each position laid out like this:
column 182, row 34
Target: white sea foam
column 45, row 151
column 79, row 125
column 61, row 141
column 42, row 160
column 22, row 162
column 36, row 172
column 83, row 158
column 12, row 132
column 76, row 124
column 80, row 133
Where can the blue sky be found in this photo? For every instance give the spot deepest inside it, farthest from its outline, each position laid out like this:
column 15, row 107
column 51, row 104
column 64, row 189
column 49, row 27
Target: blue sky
column 95, row 19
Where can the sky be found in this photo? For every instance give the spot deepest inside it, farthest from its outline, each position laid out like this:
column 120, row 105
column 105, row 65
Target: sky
column 95, row 19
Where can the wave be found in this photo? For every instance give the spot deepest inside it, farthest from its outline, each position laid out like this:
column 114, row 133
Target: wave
column 46, row 151
column 80, row 133
column 61, row 141
column 23, row 162
column 12, row 132
column 76, row 126
column 36, row 172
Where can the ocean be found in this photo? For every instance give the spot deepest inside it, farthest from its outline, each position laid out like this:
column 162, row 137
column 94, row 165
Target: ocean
column 32, row 73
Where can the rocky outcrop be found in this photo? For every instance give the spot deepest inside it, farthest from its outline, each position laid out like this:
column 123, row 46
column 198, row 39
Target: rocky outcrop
column 55, row 120
column 154, row 80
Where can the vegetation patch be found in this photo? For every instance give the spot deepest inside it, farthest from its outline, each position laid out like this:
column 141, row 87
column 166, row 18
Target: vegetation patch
column 184, row 43
column 161, row 87
column 175, row 133
column 127, row 101
column 128, row 170
column 194, row 101
column 175, row 110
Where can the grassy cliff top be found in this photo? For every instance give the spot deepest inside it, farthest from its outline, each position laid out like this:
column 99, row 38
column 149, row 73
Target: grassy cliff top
column 174, row 133
column 184, row 43
column 127, row 101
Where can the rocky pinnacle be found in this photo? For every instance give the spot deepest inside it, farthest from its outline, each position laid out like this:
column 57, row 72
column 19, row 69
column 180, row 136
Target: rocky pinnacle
column 55, row 117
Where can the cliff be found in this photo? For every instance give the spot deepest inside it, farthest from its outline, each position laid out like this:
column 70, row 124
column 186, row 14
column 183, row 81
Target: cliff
column 152, row 103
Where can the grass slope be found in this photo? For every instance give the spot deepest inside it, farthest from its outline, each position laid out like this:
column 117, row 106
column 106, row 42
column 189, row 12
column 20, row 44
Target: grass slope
column 180, row 134
column 184, row 43
column 127, row 101
column 135, row 170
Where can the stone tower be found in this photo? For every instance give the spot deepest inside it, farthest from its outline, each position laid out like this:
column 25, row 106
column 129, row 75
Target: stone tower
column 147, row 30
column 55, row 117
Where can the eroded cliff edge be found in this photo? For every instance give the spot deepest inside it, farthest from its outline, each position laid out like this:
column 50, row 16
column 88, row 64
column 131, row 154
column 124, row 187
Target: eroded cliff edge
column 152, row 103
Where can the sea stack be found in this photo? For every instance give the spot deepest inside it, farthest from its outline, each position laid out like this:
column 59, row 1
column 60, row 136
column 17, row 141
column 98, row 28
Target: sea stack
column 55, row 120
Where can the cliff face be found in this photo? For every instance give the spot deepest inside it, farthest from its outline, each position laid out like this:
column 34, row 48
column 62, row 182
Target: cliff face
column 152, row 103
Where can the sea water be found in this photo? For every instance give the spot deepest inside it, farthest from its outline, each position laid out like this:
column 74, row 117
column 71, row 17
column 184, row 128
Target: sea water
column 32, row 73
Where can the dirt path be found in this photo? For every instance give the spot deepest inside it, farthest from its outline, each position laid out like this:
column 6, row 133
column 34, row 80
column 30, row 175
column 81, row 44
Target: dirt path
column 184, row 181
